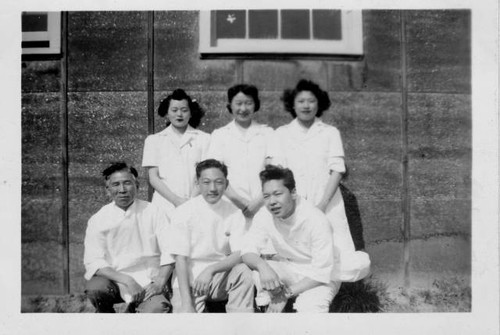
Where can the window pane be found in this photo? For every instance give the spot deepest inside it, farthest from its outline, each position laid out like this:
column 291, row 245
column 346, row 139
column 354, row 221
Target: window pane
column 295, row 24
column 34, row 22
column 327, row 24
column 263, row 23
column 230, row 23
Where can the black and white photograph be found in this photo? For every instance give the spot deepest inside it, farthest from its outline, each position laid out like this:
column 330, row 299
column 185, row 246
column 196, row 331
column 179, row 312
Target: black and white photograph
column 333, row 164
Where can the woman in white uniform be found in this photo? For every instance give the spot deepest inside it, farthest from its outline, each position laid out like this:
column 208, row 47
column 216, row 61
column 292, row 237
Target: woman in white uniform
column 243, row 145
column 171, row 155
column 313, row 150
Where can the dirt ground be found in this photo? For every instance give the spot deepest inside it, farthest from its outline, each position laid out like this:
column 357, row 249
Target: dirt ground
column 368, row 296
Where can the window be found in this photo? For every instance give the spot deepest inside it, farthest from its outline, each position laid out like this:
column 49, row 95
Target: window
column 285, row 31
column 41, row 33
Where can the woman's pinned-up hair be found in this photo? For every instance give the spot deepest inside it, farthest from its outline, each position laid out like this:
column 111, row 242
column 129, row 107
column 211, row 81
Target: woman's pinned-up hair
column 197, row 112
column 306, row 85
column 246, row 89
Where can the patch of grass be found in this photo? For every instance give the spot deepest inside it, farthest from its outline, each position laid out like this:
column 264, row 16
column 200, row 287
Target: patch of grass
column 451, row 295
column 367, row 296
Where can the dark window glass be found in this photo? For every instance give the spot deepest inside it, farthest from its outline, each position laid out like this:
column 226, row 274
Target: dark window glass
column 230, row 24
column 327, row 24
column 295, row 24
column 34, row 22
column 263, row 23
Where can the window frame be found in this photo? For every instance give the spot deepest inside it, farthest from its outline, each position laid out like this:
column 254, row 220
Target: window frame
column 52, row 35
column 351, row 42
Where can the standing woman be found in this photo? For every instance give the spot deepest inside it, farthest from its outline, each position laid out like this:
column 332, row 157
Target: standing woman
column 171, row 155
column 243, row 146
column 313, row 150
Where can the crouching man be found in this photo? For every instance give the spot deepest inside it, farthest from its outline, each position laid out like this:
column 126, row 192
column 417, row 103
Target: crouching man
column 205, row 240
column 125, row 253
column 302, row 237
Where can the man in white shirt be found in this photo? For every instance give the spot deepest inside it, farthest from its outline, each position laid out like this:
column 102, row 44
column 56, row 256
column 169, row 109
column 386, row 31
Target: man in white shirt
column 205, row 240
column 302, row 237
column 125, row 249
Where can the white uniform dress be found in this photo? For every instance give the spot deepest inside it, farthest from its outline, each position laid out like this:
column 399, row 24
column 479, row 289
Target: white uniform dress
column 176, row 158
column 244, row 152
column 311, row 154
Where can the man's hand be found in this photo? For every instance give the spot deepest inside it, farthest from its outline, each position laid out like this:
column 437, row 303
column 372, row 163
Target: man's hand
column 154, row 288
column 135, row 290
column 278, row 302
column 202, row 282
column 269, row 279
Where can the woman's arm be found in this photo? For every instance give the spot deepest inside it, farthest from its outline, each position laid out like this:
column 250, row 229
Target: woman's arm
column 330, row 189
column 160, row 187
column 249, row 208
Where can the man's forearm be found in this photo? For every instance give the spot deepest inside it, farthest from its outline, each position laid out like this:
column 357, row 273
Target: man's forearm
column 181, row 264
column 164, row 273
column 253, row 261
column 114, row 275
column 304, row 285
column 227, row 263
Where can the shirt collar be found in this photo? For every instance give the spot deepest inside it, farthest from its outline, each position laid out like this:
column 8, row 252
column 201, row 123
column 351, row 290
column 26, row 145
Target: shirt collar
column 170, row 130
column 214, row 207
column 246, row 134
column 127, row 212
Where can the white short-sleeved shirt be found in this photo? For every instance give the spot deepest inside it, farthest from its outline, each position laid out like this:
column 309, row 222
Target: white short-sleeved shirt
column 205, row 233
column 304, row 240
column 132, row 241
column 176, row 158
column 311, row 154
column 244, row 152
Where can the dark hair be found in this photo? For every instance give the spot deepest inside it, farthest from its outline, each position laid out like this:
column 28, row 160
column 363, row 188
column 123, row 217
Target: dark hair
column 306, row 85
column 197, row 112
column 208, row 164
column 118, row 166
column 273, row 172
column 246, row 89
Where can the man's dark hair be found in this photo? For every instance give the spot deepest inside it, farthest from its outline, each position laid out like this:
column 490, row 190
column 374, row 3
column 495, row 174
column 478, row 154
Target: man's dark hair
column 208, row 164
column 118, row 166
column 273, row 172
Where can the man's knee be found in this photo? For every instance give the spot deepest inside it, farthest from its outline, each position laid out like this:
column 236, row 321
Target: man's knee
column 316, row 300
column 99, row 286
column 242, row 274
column 102, row 293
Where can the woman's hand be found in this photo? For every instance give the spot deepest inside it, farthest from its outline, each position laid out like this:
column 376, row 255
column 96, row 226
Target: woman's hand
column 252, row 208
column 322, row 206
column 179, row 201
